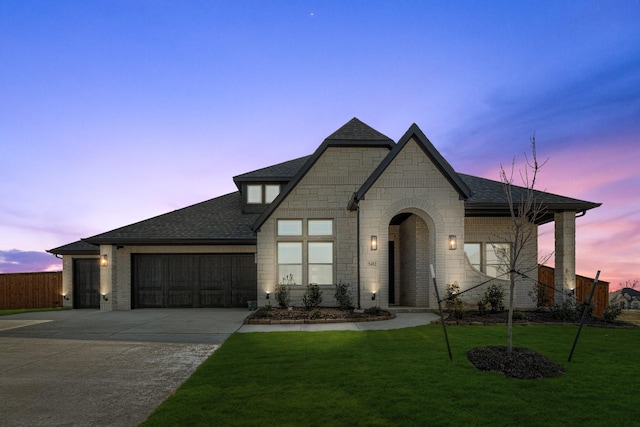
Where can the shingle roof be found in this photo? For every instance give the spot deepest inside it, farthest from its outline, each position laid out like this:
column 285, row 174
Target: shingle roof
column 353, row 133
column 423, row 142
column 215, row 221
column 355, row 130
column 489, row 199
column 76, row 248
column 280, row 172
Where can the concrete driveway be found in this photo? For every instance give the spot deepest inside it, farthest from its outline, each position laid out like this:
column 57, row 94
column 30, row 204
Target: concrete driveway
column 93, row 368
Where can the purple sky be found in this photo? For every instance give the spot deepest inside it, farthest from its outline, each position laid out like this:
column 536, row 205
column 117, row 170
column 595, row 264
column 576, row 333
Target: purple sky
column 112, row 112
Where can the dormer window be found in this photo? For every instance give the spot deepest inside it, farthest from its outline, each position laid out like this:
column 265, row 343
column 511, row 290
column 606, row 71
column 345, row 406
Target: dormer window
column 258, row 194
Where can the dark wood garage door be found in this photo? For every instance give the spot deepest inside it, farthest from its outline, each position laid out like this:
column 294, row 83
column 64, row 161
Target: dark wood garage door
column 86, row 283
column 193, row 280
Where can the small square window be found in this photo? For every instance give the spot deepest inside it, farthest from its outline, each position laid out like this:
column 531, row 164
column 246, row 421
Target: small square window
column 289, row 227
column 271, row 192
column 320, row 227
column 254, row 194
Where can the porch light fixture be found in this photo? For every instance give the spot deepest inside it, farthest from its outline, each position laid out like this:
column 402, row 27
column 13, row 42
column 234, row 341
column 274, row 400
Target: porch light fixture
column 373, row 296
column 104, row 260
column 66, row 298
column 267, row 295
column 104, row 296
column 374, row 243
column 453, row 242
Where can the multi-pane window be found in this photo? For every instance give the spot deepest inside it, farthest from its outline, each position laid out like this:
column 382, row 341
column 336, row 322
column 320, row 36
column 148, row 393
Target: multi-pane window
column 258, row 194
column 305, row 251
column 493, row 260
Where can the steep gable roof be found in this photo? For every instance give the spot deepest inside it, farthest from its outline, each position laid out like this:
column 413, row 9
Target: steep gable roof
column 215, row 221
column 436, row 158
column 354, row 133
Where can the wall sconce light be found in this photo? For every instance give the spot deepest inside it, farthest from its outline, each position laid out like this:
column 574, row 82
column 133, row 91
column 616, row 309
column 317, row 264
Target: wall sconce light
column 66, row 298
column 104, row 297
column 453, row 242
column 374, row 243
column 267, row 295
column 373, row 296
column 104, row 260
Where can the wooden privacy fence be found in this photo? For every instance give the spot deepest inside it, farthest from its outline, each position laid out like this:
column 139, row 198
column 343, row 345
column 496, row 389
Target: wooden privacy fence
column 583, row 288
column 30, row 290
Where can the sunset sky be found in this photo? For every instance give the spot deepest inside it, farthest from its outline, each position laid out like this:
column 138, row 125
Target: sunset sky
column 114, row 111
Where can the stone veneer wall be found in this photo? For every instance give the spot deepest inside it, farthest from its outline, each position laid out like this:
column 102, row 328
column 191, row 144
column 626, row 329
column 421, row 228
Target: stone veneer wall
column 323, row 193
column 412, row 183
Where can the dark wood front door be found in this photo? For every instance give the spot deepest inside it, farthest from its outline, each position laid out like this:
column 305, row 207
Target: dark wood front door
column 86, row 283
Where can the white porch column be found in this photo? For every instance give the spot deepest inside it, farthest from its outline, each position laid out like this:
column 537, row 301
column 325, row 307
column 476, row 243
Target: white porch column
column 565, row 252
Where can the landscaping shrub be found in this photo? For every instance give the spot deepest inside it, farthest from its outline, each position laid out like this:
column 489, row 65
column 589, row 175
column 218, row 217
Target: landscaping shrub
column 540, row 294
column 312, row 296
column 493, row 296
column 282, row 295
column 343, row 296
column 611, row 312
column 453, row 301
column 565, row 311
column 315, row 314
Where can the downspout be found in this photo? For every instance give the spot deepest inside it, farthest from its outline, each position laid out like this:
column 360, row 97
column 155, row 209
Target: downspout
column 358, row 248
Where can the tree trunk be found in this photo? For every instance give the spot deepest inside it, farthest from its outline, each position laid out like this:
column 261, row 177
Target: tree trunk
column 512, row 285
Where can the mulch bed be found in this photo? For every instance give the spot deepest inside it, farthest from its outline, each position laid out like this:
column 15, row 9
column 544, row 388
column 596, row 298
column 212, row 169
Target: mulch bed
column 528, row 317
column 520, row 363
column 295, row 315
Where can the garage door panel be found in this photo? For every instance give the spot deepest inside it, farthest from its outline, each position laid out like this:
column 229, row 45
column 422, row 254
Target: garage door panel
column 193, row 280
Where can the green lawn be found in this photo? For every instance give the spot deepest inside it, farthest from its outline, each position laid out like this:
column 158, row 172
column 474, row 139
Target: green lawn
column 27, row 310
column 403, row 377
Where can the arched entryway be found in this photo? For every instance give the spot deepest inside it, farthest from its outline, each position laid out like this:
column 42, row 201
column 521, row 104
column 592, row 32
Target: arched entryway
column 409, row 258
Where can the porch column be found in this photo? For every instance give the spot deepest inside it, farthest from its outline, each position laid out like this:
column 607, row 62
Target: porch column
column 107, row 277
column 565, row 252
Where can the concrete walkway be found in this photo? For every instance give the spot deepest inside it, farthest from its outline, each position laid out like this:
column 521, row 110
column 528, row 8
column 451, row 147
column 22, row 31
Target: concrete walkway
column 96, row 368
column 402, row 320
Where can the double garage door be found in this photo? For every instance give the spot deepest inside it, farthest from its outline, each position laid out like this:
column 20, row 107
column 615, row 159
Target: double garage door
column 193, row 280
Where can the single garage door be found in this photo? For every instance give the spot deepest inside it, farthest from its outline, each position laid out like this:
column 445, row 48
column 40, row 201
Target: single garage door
column 193, row 280
column 86, row 283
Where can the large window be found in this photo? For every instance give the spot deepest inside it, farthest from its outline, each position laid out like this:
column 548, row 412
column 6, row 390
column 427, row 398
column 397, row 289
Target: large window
column 305, row 251
column 290, row 263
column 490, row 258
column 321, row 263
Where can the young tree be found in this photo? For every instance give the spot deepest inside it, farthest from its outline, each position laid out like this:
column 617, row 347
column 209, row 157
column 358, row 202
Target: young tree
column 525, row 210
column 631, row 284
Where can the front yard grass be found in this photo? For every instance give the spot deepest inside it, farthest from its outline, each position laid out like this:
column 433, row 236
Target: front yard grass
column 631, row 316
column 8, row 312
column 403, row 377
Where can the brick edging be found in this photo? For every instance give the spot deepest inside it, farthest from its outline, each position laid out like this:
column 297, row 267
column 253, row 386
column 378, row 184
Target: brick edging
column 316, row 321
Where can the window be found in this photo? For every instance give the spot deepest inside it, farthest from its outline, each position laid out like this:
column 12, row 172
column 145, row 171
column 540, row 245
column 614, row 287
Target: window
column 321, row 263
column 493, row 261
column 290, row 263
column 271, row 192
column 258, row 194
column 305, row 251
column 254, row 194
column 473, row 252
column 320, row 227
column 497, row 258
column 290, row 227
